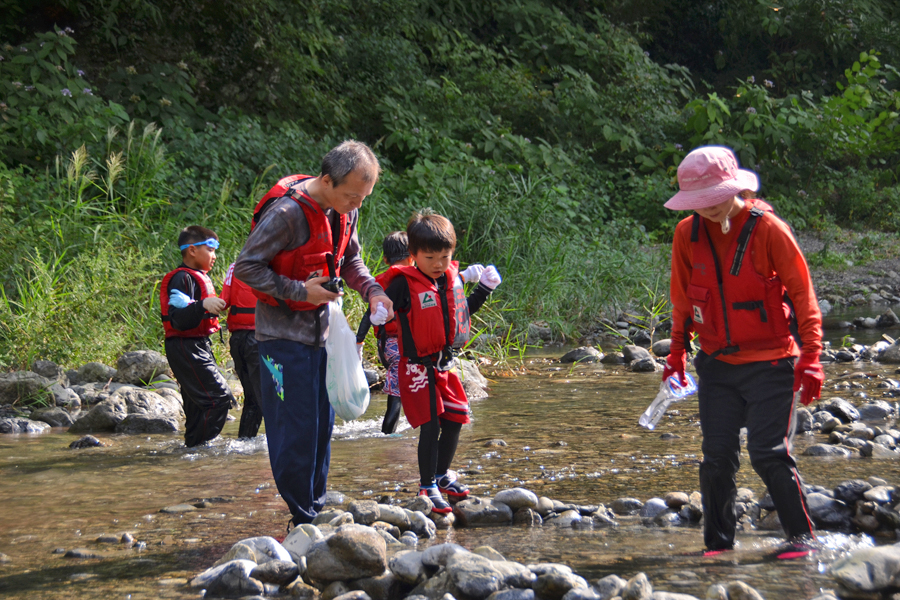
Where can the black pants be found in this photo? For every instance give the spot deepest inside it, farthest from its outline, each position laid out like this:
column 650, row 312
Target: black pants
column 245, row 353
column 759, row 396
column 438, row 440
column 204, row 392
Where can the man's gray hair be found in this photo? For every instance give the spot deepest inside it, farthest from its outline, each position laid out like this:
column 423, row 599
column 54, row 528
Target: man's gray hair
column 349, row 156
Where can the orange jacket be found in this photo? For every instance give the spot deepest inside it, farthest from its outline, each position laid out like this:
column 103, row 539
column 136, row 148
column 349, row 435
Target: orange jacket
column 774, row 252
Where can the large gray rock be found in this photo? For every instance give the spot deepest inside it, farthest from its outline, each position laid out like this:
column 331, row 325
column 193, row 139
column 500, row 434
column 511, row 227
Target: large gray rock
column 842, row 409
column 231, row 579
column 408, row 567
column 353, row 552
column 278, row 572
column 583, row 354
column 365, row 512
column 609, row 586
column 91, row 372
column 517, row 498
column 478, row 577
column 149, row 410
column 141, row 367
column 300, row 539
column 439, row 554
column 22, row 425
column 827, row 450
column 65, row 397
column 662, row 347
column 633, row 353
column 554, row 581
column 394, row 515
column 637, row 588
column 50, row 370
column 868, row 569
column 653, row 507
column 626, row 506
column 478, row 512
column 891, row 354
column 474, row 383
column 829, row 513
column 851, row 490
column 23, row 386
column 875, row 410
column 54, row 416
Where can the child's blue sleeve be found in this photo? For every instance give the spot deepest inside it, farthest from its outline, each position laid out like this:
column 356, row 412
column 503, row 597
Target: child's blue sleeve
column 179, row 299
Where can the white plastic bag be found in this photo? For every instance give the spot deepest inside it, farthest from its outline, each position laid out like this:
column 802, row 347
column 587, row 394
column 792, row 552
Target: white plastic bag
column 348, row 390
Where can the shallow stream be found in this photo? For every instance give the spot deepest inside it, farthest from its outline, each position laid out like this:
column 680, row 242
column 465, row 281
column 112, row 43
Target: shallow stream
column 571, row 435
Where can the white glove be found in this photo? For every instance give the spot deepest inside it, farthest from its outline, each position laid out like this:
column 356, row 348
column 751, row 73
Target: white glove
column 490, row 277
column 380, row 316
column 179, row 299
column 213, row 305
column 472, row 273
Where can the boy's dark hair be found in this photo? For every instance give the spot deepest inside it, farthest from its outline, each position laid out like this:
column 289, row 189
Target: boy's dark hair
column 395, row 247
column 194, row 234
column 349, row 156
column 430, row 232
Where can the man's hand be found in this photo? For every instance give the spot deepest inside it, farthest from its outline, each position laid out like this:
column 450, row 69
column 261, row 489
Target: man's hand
column 675, row 364
column 808, row 376
column 386, row 304
column 213, row 305
column 316, row 294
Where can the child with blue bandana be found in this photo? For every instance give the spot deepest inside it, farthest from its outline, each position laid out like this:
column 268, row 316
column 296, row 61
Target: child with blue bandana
column 190, row 309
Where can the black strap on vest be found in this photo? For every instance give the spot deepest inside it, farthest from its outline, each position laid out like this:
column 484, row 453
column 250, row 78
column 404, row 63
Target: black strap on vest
column 753, row 305
column 242, row 310
column 744, row 240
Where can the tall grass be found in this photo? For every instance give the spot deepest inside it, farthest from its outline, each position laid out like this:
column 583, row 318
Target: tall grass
column 90, row 239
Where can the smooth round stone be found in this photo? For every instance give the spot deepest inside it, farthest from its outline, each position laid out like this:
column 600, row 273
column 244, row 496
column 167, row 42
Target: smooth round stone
column 826, row 450
column 545, row 506
column 517, row 498
column 408, row 567
column 567, row 518
column 653, row 507
column 626, row 506
column 676, row 500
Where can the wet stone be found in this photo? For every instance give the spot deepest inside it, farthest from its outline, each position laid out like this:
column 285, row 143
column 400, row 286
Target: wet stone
column 87, row 441
column 517, row 498
column 881, row 494
column 875, row 410
column 279, row 572
column 584, row 354
column 613, row 358
column 610, row 586
column 364, row 512
column 842, row 409
column 396, row 516
column 82, row 553
column 653, row 507
column 566, row 519
column 441, row 521
column 638, row 588
column 352, row 552
column 554, row 581
column 178, row 508
column 676, row 500
column 408, row 567
column 107, row 538
column 478, row 512
column 327, row 516
column 626, row 506
column 512, row 594
column 545, row 506
column 438, row 555
column 421, row 525
column 420, row 504
column 826, row 450
column 495, row 443
column 304, row 591
column 738, row 590
column 527, row 517
column 868, row 569
column 391, row 530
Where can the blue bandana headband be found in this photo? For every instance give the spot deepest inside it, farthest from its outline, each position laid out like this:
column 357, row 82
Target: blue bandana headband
column 212, row 243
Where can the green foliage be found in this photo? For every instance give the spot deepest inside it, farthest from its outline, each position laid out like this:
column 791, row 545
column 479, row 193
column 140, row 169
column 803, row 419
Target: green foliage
column 48, row 105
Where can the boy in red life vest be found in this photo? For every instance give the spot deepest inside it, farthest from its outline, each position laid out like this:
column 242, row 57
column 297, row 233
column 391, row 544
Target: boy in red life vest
column 433, row 313
column 190, row 311
column 737, row 275
column 241, row 304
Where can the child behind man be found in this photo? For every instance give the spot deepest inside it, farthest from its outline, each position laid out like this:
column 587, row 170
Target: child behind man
column 433, row 313
column 396, row 254
column 190, row 311
column 241, row 304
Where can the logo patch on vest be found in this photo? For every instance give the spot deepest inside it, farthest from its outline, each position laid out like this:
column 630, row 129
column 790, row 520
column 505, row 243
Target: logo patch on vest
column 698, row 314
column 314, row 274
column 427, row 299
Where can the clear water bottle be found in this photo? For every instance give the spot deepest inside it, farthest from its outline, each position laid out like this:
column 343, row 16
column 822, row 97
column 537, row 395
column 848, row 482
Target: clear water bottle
column 670, row 391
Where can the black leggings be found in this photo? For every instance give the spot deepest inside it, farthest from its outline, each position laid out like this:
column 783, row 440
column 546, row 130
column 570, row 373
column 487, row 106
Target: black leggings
column 437, row 445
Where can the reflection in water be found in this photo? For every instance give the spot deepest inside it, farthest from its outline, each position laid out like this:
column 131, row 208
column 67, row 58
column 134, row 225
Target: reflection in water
column 571, row 435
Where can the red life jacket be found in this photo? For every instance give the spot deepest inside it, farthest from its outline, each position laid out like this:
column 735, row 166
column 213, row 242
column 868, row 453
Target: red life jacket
column 389, row 329
column 210, row 323
column 308, row 260
column 435, row 321
column 241, row 302
column 757, row 311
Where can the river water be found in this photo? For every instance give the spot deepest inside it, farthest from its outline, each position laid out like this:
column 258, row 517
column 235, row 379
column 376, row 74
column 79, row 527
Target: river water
column 571, row 435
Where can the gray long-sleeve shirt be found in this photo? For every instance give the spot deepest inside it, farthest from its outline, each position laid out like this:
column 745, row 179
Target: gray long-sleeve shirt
column 284, row 227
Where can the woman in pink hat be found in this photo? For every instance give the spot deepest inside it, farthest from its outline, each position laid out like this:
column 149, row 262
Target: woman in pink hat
column 741, row 283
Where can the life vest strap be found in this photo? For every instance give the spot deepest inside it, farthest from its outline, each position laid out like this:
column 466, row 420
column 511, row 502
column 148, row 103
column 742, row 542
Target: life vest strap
column 242, row 310
column 753, row 305
column 744, row 239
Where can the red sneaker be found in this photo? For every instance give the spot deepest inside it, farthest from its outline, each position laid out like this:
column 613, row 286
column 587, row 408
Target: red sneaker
column 440, row 505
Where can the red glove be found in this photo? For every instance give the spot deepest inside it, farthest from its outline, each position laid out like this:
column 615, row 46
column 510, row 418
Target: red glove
column 808, row 375
column 675, row 363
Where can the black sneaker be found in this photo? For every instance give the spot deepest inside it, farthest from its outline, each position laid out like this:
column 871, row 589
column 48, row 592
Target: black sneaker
column 440, row 505
column 450, row 485
column 800, row 547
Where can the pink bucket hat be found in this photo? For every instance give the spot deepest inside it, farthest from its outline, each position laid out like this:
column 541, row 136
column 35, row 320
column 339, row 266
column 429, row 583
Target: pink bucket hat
column 708, row 176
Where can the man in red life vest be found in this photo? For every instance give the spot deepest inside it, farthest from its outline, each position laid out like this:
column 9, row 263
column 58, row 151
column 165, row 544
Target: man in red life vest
column 241, row 304
column 737, row 276
column 190, row 311
column 299, row 227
